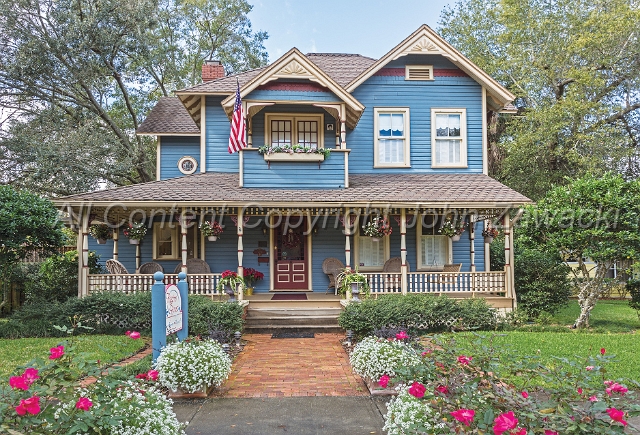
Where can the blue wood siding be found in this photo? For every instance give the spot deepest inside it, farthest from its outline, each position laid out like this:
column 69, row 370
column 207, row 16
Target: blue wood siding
column 329, row 242
column 294, row 175
column 420, row 97
column 217, row 134
column 462, row 250
column 172, row 149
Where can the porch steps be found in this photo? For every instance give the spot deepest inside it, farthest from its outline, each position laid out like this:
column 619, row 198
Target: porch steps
column 291, row 318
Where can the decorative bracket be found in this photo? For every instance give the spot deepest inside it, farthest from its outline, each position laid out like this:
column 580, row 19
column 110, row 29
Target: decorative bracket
column 234, row 218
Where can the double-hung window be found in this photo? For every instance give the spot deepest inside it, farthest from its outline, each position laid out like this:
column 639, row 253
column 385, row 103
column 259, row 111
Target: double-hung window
column 167, row 241
column 284, row 129
column 433, row 248
column 391, row 133
column 449, row 138
column 371, row 255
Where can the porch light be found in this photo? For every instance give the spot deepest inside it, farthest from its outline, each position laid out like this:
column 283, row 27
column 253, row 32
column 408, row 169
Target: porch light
column 265, row 230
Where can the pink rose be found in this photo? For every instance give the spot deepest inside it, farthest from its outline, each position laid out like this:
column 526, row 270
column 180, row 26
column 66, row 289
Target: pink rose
column 134, row 335
column 464, row 415
column 504, row 422
column 128, row 333
column 152, row 375
column 18, row 382
column 30, row 405
column 550, row 432
column 464, row 360
column 402, row 335
column 384, row 381
column 30, row 375
column 520, row 431
column 589, row 368
column 615, row 387
column 56, row 352
column 593, row 398
column 525, row 394
column 84, row 403
column 443, row 389
column 602, row 351
column 417, row 390
column 579, row 390
column 617, row 415
column 141, row 376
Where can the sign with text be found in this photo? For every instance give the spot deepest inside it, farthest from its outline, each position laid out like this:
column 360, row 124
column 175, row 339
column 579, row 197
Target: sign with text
column 173, row 308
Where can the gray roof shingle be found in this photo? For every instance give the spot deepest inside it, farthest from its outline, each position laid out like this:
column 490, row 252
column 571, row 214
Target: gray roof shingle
column 440, row 189
column 169, row 116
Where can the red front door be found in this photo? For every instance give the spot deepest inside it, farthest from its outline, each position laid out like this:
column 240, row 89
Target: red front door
column 291, row 268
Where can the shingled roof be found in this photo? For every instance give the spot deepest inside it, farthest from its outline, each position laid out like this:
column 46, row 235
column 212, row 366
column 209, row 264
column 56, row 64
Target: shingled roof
column 341, row 67
column 222, row 188
column 169, row 116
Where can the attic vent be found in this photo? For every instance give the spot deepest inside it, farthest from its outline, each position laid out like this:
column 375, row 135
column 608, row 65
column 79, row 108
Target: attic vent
column 418, row 72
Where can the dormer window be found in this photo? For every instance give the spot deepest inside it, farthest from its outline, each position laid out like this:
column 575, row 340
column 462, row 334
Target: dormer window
column 286, row 129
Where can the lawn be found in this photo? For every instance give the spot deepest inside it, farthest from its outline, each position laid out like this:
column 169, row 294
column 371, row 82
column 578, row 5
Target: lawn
column 606, row 316
column 107, row 348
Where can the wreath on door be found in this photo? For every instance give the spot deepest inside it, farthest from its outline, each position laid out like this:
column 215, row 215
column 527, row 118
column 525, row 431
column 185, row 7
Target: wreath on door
column 291, row 240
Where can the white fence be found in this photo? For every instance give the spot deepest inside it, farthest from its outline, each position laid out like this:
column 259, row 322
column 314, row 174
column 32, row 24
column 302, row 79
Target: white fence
column 199, row 283
column 488, row 283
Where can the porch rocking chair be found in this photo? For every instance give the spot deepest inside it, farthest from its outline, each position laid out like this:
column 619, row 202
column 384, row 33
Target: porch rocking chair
column 194, row 266
column 116, row 268
column 150, row 268
column 449, row 281
column 332, row 268
column 393, row 266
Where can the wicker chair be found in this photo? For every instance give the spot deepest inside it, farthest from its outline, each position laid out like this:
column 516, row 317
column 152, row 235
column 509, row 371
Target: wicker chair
column 450, row 280
column 150, row 268
column 116, row 268
column 194, row 265
column 332, row 267
column 393, row 265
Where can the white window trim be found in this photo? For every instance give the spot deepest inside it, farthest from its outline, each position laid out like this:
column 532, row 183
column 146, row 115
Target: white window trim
column 421, row 67
column 463, row 134
column 193, row 160
column 157, row 226
column 419, row 266
column 407, row 137
column 356, row 254
column 294, row 118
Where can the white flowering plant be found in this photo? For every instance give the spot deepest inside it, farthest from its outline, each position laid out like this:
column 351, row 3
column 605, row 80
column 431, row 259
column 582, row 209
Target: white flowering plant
column 405, row 412
column 373, row 357
column 192, row 365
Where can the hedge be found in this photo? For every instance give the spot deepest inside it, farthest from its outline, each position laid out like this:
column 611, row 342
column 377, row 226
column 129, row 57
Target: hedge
column 114, row 313
column 417, row 314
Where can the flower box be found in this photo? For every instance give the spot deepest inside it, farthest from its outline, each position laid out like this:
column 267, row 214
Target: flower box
column 201, row 394
column 294, row 157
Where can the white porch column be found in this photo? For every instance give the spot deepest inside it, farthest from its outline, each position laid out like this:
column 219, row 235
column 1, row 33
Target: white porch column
column 85, row 254
column 472, row 241
column 347, row 240
column 507, row 255
column 183, row 232
column 403, row 250
column 240, row 225
column 343, row 126
column 487, row 251
column 512, row 263
column 79, row 244
column 116, row 235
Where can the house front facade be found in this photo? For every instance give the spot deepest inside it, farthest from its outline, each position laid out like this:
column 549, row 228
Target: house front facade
column 335, row 142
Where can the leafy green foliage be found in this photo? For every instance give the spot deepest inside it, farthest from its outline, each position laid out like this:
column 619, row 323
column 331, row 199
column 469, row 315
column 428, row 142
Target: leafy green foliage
column 417, row 313
column 633, row 287
column 206, row 315
column 57, row 278
column 78, row 80
column 574, row 68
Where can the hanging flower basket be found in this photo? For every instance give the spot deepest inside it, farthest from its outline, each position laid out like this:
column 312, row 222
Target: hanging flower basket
column 489, row 234
column 100, row 232
column 135, row 232
column 377, row 228
column 212, row 238
column 452, row 228
column 211, row 230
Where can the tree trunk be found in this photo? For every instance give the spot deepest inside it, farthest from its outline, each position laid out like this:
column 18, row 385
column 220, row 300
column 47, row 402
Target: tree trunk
column 590, row 290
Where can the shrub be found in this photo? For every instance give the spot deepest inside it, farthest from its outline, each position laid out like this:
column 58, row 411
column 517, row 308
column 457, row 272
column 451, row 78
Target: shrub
column 57, row 278
column 374, row 357
column 192, row 365
column 417, row 313
column 633, row 287
column 114, row 313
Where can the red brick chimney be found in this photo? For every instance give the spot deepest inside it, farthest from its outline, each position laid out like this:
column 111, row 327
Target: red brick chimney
column 211, row 70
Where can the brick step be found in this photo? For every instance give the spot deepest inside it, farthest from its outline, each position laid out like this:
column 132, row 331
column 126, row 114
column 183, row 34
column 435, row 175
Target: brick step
column 271, row 329
column 295, row 312
column 292, row 320
column 310, row 304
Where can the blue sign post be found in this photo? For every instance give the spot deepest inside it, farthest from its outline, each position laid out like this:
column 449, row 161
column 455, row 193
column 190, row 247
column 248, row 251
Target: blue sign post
column 169, row 311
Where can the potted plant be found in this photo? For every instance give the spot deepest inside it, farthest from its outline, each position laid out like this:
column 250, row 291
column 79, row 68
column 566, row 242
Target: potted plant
column 452, row 228
column 211, row 230
column 355, row 282
column 250, row 276
column 193, row 366
column 100, row 232
column 377, row 228
column 294, row 152
column 489, row 234
column 135, row 232
column 229, row 283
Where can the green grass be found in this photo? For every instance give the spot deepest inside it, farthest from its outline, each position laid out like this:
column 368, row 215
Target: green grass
column 606, row 316
column 106, row 348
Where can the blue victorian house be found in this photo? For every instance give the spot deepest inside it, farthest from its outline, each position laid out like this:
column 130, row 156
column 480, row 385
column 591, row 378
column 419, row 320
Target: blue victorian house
column 338, row 144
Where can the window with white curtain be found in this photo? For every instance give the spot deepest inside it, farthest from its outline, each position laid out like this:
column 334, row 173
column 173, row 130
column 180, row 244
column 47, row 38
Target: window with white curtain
column 391, row 132
column 433, row 248
column 448, row 138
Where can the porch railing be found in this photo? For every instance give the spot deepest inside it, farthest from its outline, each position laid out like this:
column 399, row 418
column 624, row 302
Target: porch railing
column 486, row 283
column 199, row 284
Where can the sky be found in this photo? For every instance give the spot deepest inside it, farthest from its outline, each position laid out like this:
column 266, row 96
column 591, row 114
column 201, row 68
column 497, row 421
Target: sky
column 370, row 28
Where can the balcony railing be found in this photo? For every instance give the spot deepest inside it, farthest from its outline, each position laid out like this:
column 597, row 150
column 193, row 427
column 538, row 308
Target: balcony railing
column 199, row 284
column 486, row 283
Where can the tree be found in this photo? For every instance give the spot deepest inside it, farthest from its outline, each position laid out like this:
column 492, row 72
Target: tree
column 590, row 218
column 574, row 66
column 77, row 77
column 27, row 223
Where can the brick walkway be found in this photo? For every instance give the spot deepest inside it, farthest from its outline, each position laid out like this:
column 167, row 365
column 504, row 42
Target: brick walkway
column 292, row 367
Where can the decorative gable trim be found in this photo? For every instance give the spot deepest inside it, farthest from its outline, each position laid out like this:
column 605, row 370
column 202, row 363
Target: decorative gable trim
column 295, row 65
column 294, row 87
column 426, row 41
column 437, row 72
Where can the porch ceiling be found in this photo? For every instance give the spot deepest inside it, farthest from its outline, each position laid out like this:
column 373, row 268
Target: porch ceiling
column 377, row 190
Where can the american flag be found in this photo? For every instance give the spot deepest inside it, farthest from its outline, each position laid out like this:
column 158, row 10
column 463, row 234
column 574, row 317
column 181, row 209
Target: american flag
column 237, row 137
